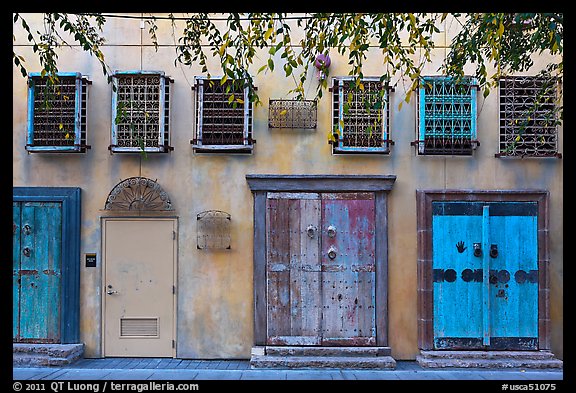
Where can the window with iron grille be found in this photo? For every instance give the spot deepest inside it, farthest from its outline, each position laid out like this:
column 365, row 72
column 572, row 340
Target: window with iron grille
column 528, row 117
column 360, row 116
column 446, row 116
column 223, row 117
column 140, row 112
column 57, row 113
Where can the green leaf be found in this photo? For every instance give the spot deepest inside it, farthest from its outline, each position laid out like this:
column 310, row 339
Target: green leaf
column 223, row 48
column 501, row 29
column 271, row 64
column 268, row 33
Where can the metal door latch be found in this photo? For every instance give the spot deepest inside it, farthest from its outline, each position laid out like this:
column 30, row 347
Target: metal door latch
column 331, row 231
column 110, row 291
column 332, row 252
column 493, row 250
column 477, row 250
column 26, row 252
column 311, row 230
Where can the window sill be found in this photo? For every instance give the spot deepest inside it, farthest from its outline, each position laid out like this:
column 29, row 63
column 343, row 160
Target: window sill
column 246, row 149
column 57, row 149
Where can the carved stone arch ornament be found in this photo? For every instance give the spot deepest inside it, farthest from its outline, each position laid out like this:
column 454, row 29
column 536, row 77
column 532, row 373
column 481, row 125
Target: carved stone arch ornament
column 138, row 194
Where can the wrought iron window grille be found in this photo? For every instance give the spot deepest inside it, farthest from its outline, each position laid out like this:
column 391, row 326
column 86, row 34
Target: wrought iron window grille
column 447, row 116
column 224, row 116
column 528, row 118
column 213, row 230
column 360, row 116
column 140, row 112
column 57, row 113
column 301, row 114
column 138, row 194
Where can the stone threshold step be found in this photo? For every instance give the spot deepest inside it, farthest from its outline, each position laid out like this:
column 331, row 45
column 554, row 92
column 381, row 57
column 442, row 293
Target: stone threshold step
column 40, row 360
column 321, row 351
column 353, row 362
column 541, row 355
column 46, row 354
column 61, row 350
column 488, row 363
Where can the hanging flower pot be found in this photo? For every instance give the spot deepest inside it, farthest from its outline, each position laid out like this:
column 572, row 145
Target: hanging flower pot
column 322, row 60
column 322, row 63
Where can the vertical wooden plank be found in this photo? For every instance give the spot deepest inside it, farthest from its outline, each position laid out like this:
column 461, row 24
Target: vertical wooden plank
column 29, row 321
column 295, row 269
column 16, row 254
column 486, row 275
column 310, row 269
column 259, row 279
column 278, row 269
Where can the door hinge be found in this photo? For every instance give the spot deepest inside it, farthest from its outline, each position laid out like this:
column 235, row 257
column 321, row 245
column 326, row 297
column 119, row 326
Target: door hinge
column 173, row 344
column 173, row 235
column 173, row 289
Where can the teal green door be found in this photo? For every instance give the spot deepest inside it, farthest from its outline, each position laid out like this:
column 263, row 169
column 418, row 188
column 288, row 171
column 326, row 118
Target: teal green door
column 36, row 271
column 485, row 275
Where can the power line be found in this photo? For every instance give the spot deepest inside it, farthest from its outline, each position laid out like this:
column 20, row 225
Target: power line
column 303, row 17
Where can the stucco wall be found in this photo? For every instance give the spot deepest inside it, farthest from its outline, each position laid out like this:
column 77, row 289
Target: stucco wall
column 215, row 292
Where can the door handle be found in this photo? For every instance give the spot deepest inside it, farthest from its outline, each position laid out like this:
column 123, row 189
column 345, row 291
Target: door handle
column 26, row 252
column 311, row 230
column 110, row 292
column 493, row 250
column 331, row 231
column 477, row 250
column 332, row 252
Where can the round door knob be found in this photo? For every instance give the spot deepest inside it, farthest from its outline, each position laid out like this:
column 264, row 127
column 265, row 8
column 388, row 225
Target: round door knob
column 331, row 231
column 332, row 252
column 26, row 252
column 311, row 231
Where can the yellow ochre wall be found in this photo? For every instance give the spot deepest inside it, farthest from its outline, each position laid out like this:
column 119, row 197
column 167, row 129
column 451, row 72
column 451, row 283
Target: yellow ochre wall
column 215, row 291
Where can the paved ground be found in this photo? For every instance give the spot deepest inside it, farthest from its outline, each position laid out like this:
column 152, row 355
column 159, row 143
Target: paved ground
column 112, row 369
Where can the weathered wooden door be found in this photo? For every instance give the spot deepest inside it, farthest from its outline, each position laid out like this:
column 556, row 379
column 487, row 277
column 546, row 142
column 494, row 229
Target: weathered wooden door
column 320, row 270
column 139, row 260
column 36, row 271
column 485, row 274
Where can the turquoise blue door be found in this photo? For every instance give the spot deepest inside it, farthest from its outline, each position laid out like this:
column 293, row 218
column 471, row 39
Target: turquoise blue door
column 36, row 271
column 485, row 275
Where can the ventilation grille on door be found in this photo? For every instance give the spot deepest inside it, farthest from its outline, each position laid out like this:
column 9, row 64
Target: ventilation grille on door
column 139, row 327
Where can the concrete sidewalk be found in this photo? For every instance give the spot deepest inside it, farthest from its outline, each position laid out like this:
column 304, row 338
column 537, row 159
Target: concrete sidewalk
column 196, row 370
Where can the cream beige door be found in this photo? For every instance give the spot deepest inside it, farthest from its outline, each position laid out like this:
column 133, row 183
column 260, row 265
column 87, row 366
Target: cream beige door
column 139, row 259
